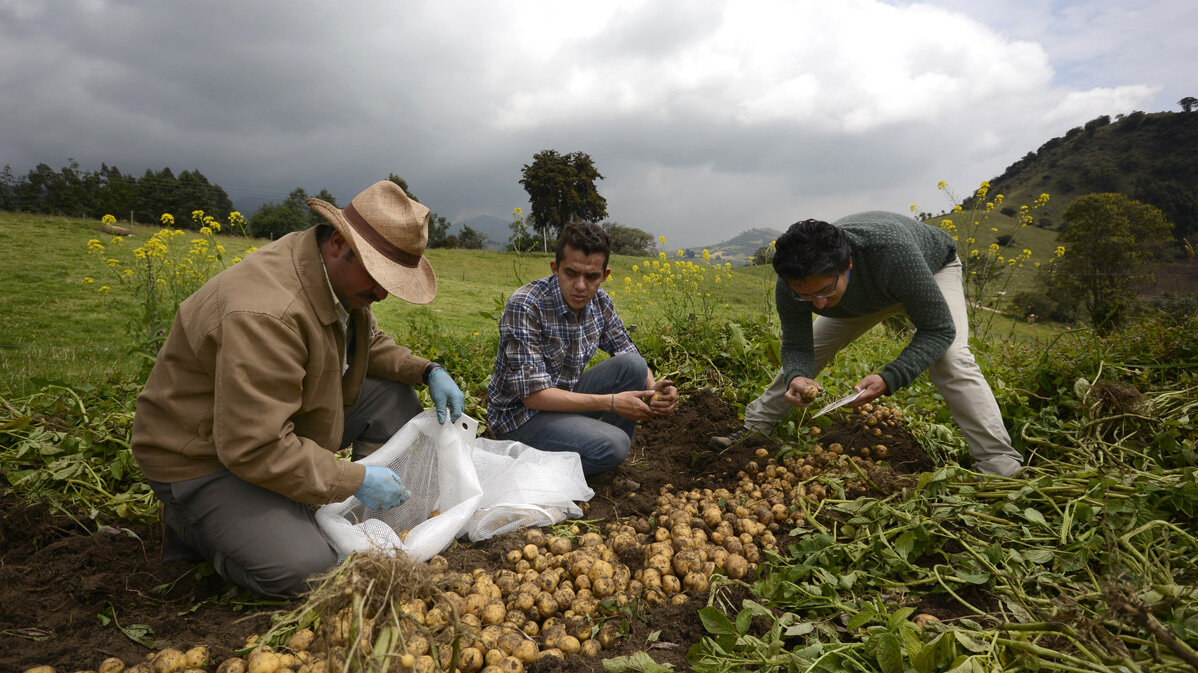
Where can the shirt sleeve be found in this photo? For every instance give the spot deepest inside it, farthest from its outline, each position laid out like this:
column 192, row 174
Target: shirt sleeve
column 614, row 338
column 257, row 389
column 522, row 344
column 798, row 350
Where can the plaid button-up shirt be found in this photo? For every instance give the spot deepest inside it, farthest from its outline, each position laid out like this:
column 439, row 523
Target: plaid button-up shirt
column 544, row 344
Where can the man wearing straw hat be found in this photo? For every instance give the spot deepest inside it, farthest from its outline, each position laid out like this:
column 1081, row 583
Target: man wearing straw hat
column 272, row 366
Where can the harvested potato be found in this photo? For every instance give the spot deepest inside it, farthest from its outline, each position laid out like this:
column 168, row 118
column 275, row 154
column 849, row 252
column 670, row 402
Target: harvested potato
column 171, row 660
column 470, row 659
column 736, row 566
column 493, row 612
column 197, row 657
column 591, row 648
column 232, row 665
column 111, row 665
column 262, row 661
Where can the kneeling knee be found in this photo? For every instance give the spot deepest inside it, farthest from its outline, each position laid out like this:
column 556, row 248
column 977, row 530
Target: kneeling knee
column 632, row 367
column 607, row 455
column 290, row 578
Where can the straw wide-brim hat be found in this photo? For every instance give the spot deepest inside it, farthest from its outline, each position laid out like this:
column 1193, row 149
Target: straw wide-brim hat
column 389, row 231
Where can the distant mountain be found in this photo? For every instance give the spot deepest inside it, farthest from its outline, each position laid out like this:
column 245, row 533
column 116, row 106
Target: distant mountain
column 740, row 248
column 494, row 228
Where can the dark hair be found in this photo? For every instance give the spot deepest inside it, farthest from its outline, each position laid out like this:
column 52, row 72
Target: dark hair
column 588, row 237
column 324, row 232
column 812, row 248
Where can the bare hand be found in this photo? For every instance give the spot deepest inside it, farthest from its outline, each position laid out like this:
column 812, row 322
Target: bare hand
column 874, row 387
column 802, row 391
column 631, row 404
column 665, row 397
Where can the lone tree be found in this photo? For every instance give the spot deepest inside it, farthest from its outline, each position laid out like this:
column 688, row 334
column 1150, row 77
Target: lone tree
column 1188, row 103
column 561, row 188
column 1109, row 243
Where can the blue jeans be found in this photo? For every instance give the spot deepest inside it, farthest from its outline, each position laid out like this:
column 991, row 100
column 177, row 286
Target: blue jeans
column 601, row 439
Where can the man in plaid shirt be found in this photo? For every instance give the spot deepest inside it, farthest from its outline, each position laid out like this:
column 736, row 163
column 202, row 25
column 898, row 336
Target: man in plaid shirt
column 550, row 329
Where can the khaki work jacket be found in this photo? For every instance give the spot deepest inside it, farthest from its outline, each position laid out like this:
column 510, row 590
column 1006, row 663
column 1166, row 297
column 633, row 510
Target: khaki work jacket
column 250, row 378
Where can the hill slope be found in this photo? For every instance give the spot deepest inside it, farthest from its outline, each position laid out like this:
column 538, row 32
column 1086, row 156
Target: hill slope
column 740, row 248
column 1151, row 158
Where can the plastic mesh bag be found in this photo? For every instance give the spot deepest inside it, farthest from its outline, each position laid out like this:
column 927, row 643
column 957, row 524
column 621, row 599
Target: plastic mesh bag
column 433, row 461
column 523, row 486
column 478, row 488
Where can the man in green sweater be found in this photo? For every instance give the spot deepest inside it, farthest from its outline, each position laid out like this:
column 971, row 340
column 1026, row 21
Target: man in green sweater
column 853, row 274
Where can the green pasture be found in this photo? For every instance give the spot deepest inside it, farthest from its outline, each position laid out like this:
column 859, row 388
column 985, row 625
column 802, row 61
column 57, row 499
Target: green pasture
column 56, row 327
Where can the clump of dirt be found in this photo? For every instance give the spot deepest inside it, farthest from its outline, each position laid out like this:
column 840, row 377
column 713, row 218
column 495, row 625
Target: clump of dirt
column 68, row 586
column 1114, row 398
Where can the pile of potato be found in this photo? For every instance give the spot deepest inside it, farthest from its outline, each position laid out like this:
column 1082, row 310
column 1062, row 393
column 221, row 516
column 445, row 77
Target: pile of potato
column 564, row 594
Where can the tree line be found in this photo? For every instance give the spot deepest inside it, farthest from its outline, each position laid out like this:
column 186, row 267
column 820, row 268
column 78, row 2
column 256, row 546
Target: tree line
column 75, row 192
column 561, row 189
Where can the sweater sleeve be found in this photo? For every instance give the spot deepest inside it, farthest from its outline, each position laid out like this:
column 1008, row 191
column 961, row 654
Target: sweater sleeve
column 798, row 350
column 915, row 288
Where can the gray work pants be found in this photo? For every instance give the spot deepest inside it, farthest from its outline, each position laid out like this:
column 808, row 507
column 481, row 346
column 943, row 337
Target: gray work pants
column 956, row 376
column 259, row 539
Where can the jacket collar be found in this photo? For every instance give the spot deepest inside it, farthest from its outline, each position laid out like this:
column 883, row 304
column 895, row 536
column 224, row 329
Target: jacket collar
column 310, row 268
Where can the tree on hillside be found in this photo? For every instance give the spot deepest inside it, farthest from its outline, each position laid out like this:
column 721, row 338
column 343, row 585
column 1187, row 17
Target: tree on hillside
column 763, row 255
column 1188, row 103
column 438, row 231
column 1109, row 242
column 628, row 240
column 275, row 220
column 470, row 239
column 561, row 188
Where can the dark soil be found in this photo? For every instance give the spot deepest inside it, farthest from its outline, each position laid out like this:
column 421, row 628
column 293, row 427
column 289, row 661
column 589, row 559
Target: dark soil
column 57, row 577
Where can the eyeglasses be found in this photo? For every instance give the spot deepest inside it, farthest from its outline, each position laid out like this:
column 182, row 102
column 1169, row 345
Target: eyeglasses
column 828, row 291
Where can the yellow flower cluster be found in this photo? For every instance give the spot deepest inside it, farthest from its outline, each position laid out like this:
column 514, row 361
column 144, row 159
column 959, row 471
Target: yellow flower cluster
column 673, row 293
column 108, row 219
column 161, row 273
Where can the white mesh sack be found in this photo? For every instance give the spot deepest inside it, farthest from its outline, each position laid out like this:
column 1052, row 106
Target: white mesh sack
column 523, row 486
column 433, row 461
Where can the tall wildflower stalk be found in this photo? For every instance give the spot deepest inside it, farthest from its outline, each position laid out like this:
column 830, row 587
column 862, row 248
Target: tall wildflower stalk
column 988, row 272
column 163, row 271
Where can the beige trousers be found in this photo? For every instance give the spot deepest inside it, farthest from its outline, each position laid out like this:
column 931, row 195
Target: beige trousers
column 956, row 375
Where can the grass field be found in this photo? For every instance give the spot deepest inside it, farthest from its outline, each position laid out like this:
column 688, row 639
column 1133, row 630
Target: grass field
column 55, row 327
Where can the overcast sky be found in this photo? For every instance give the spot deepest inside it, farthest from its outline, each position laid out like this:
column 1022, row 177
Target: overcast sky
column 705, row 117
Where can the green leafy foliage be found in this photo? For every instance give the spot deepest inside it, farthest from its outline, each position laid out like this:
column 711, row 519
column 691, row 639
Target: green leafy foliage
column 70, row 446
column 1108, row 247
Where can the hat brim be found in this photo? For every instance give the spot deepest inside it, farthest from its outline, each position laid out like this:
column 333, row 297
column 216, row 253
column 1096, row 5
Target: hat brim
column 415, row 285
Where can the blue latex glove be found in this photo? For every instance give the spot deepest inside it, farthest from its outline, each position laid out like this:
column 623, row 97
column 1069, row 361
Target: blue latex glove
column 446, row 393
column 382, row 489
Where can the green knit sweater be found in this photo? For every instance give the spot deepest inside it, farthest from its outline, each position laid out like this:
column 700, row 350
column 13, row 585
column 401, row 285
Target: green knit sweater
column 894, row 258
